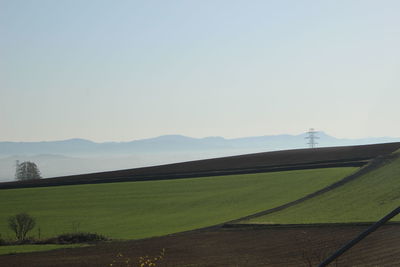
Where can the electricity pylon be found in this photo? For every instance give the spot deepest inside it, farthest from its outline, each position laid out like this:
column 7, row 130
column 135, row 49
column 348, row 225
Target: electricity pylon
column 311, row 135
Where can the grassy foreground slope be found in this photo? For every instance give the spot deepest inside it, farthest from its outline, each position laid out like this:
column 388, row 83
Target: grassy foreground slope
column 144, row 209
column 365, row 199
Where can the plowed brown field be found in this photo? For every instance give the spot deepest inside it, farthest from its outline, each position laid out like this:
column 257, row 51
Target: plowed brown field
column 300, row 246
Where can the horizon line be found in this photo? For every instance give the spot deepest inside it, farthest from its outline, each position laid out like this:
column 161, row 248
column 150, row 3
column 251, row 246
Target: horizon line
column 187, row 136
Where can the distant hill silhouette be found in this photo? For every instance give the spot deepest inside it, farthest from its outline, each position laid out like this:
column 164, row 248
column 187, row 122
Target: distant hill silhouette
column 178, row 143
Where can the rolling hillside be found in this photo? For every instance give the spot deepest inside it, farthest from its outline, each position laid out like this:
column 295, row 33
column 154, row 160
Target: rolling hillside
column 153, row 208
column 364, row 199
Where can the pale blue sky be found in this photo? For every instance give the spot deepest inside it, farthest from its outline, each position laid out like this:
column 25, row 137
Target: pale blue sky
column 124, row 70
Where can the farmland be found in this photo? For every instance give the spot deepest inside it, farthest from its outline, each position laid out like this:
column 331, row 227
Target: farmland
column 365, row 199
column 143, row 209
column 272, row 247
column 195, row 218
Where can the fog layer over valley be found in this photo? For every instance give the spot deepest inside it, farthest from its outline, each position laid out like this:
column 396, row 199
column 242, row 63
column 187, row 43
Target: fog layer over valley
column 59, row 165
column 76, row 156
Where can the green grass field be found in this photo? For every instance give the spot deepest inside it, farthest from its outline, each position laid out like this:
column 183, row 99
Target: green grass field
column 365, row 199
column 144, row 209
column 33, row 248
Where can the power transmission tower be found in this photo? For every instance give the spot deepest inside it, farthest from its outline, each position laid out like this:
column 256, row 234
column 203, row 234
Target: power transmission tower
column 311, row 135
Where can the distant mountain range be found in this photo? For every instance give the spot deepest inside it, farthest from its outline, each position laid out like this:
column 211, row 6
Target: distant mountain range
column 77, row 156
column 178, row 143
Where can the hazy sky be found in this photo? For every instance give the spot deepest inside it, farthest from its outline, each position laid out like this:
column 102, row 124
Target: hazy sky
column 124, row 70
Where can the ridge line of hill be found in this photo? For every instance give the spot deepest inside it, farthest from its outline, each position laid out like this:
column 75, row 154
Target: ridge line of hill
column 372, row 165
column 168, row 143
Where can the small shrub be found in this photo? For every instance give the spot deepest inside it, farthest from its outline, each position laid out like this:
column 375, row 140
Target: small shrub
column 21, row 224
